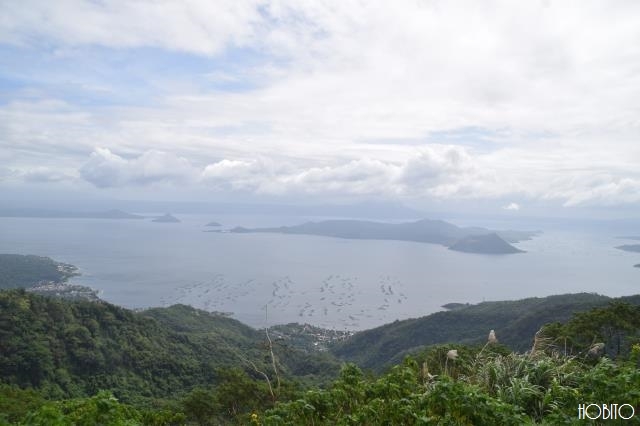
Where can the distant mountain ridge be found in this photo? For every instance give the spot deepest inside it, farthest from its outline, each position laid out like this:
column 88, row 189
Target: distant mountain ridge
column 371, row 209
column 424, row 231
column 630, row 247
column 45, row 213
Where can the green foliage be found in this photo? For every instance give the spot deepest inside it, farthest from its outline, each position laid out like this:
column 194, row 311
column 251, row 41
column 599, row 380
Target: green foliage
column 235, row 397
column 76, row 348
column 200, row 406
column 616, row 327
column 101, row 409
column 400, row 397
column 15, row 403
column 489, row 388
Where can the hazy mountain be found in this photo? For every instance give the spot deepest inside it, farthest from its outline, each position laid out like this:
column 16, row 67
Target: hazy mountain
column 44, row 213
column 630, row 247
column 368, row 209
column 166, row 218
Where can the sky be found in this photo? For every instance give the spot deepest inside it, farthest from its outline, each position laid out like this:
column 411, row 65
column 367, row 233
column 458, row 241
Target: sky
column 507, row 107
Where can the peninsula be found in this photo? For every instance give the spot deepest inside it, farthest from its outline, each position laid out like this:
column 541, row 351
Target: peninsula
column 42, row 275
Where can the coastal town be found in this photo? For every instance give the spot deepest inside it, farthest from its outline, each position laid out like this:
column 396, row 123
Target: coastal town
column 306, row 336
column 64, row 290
column 60, row 287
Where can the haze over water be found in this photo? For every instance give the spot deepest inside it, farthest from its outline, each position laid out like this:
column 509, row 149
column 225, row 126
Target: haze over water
column 329, row 282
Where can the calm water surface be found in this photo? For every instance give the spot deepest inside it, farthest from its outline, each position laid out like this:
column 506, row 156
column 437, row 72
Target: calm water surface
column 324, row 281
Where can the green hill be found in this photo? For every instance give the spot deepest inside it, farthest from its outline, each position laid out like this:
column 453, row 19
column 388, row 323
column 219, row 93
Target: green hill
column 515, row 323
column 75, row 348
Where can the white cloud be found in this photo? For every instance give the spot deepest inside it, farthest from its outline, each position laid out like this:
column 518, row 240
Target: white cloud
column 105, row 169
column 237, row 175
column 438, row 171
column 609, row 191
column 6, row 173
column 202, row 27
column 512, row 206
column 435, row 172
column 340, row 97
column 357, row 177
column 45, row 174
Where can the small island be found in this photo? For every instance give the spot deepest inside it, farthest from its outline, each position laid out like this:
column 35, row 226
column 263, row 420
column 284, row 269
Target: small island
column 166, row 218
column 213, row 224
column 630, row 247
column 637, row 265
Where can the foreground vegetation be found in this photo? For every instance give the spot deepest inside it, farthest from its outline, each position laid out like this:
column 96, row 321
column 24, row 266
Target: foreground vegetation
column 68, row 363
column 478, row 387
column 483, row 389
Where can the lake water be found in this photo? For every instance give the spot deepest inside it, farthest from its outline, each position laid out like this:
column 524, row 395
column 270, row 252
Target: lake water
column 334, row 283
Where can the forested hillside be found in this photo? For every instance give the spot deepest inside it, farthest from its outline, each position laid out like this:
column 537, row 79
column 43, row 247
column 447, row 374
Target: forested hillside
column 78, row 362
column 515, row 322
column 72, row 349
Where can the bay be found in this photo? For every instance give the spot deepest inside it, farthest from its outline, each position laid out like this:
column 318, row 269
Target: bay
column 266, row 279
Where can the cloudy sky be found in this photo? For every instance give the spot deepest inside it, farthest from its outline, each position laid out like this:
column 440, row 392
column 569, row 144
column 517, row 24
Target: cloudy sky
column 502, row 104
